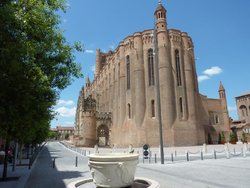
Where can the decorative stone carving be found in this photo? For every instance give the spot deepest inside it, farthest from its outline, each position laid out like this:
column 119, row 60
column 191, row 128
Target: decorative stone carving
column 113, row 169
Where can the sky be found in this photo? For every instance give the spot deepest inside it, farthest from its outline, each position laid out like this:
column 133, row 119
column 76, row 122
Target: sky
column 220, row 30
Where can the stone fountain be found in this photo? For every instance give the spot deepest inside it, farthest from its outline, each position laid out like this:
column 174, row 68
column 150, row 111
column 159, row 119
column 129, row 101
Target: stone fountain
column 113, row 170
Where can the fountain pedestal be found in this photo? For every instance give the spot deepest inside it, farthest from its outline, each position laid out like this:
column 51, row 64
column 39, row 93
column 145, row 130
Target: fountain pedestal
column 113, row 169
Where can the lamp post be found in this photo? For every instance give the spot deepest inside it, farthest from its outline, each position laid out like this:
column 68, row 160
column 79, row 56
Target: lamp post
column 155, row 48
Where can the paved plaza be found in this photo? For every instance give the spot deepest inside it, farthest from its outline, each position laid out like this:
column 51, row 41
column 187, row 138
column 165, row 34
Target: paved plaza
column 56, row 167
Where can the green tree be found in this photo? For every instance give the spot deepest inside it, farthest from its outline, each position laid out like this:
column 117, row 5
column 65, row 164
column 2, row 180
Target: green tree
column 66, row 136
column 219, row 139
column 36, row 63
column 232, row 138
column 223, row 139
column 244, row 137
column 209, row 139
column 52, row 135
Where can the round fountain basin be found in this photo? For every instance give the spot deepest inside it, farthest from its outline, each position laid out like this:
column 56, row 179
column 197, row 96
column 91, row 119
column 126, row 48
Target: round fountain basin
column 139, row 182
column 113, row 169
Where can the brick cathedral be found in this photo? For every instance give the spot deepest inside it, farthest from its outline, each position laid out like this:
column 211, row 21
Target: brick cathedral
column 120, row 106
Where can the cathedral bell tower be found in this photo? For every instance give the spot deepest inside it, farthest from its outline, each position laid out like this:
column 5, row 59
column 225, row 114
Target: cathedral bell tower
column 160, row 18
column 222, row 94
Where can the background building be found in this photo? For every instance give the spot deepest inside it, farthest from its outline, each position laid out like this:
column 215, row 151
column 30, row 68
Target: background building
column 242, row 126
column 120, row 105
column 63, row 132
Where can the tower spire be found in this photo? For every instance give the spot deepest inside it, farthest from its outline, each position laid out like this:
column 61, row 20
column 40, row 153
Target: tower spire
column 159, row 2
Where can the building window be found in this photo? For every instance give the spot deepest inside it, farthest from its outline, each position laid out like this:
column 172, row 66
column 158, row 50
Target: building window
column 243, row 109
column 151, row 67
column 118, row 70
column 181, row 106
column 129, row 111
column 178, row 67
column 216, row 119
column 128, row 72
column 153, row 108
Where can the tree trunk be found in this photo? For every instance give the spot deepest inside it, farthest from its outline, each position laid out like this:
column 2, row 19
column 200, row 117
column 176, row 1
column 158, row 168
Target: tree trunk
column 5, row 167
column 21, row 153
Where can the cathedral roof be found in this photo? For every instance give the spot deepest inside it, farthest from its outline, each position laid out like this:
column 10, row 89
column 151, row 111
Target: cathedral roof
column 160, row 7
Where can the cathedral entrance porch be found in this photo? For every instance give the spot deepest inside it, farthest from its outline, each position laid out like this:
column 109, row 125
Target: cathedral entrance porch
column 103, row 135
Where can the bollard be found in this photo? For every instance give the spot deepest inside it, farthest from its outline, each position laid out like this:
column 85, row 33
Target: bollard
column 76, row 160
column 172, row 157
column 201, row 155
column 187, row 157
column 214, row 154
column 89, row 152
column 234, row 151
column 155, row 158
column 54, row 162
column 175, row 153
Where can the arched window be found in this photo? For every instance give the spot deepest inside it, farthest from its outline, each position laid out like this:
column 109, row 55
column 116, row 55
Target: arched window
column 128, row 72
column 243, row 109
column 151, row 67
column 216, row 119
column 118, row 70
column 152, row 108
column 178, row 67
column 129, row 111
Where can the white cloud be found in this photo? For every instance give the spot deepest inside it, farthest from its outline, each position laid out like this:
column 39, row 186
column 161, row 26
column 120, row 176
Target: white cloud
column 65, row 102
column 93, row 68
column 212, row 71
column 208, row 73
column 232, row 108
column 202, row 78
column 66, row 112
column 90, row 51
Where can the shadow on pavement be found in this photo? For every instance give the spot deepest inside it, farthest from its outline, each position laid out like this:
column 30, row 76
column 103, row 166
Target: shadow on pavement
column 44, row 175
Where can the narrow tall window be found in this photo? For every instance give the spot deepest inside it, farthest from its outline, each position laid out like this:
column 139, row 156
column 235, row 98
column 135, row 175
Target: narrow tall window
column 118, row 70
column 181, row 106
column 129, row 111
column 178, row 67
column 243, row 109
column 128, row 72
column 216, row 119
column 151, row 67
column 153, row 108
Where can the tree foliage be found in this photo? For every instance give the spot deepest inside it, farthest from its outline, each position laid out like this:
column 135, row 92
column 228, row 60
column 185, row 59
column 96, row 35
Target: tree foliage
column 36, row 62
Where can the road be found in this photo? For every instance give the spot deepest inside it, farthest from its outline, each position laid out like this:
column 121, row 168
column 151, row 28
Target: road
column 220, row 173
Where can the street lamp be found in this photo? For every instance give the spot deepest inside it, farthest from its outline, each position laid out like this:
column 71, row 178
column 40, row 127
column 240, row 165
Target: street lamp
column 155, row 48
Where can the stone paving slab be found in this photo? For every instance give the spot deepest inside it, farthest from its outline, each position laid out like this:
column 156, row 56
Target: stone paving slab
column 219, row 173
